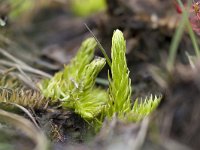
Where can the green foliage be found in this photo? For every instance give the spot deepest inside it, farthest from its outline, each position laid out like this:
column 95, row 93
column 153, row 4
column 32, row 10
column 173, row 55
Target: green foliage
column 74, row 86
column 90, row 103
column 87, row 7
column 65, row 82
column 143, row 109
column 88, row 100
column 120, row 87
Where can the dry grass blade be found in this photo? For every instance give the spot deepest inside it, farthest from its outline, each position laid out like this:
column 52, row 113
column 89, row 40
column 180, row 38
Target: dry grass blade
column 27, row 112
column 27, row 127
column 20, row 64
column 8, row 81
column 9, row 73
column 6, row 54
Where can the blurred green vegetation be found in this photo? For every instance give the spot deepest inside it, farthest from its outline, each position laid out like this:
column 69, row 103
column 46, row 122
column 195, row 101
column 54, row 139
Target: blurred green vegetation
column 87, row 7
column 19, row 7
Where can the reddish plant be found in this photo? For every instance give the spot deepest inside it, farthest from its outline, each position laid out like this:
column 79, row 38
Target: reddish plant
column 195, row 17
column 178, row 7
column 194, row 14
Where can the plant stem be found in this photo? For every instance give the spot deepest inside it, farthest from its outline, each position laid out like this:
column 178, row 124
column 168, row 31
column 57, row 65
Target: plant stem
column 191, row 32
column 175, row 42
column 100, row 46
column 177, row 37
column 193, row 38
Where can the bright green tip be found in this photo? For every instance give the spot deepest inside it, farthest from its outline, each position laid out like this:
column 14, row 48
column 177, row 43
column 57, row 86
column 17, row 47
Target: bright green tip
column 118, row 35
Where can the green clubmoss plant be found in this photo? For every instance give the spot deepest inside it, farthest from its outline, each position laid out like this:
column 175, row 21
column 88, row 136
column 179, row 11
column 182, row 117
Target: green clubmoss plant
column 143, row 109
column 120, row 84
column 87, row 100
column 68, row 80
column 74, row 86
column 120, row 87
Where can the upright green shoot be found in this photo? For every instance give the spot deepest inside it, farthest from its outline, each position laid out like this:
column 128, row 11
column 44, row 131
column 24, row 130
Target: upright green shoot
column 120, row 83
column 120, row 87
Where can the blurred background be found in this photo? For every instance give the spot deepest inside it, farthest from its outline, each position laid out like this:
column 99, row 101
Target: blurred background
column 46, row 34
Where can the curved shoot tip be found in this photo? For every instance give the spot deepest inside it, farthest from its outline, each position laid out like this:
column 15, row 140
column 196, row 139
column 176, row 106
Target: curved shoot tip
column 118, row 41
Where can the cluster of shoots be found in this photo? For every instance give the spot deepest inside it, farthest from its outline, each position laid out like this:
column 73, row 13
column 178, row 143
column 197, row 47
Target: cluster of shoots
column 75, row 86
column 120, row 87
